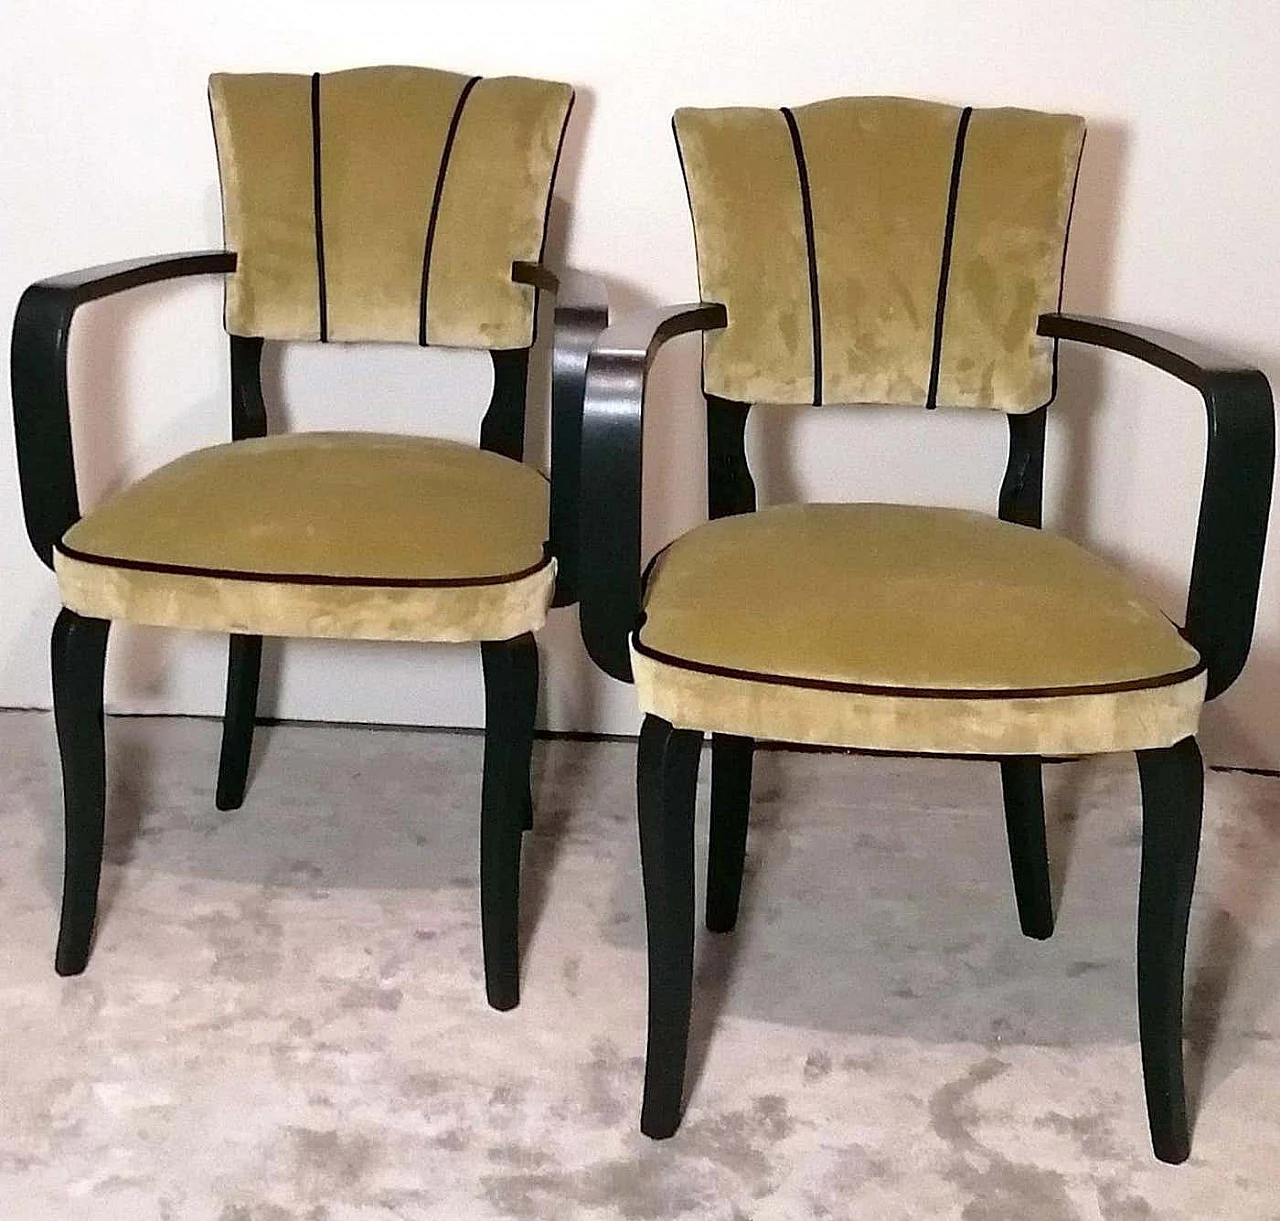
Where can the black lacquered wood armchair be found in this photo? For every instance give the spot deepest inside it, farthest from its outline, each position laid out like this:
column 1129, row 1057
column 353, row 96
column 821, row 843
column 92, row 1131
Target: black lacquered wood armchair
column 388, row 204
column 893, row 251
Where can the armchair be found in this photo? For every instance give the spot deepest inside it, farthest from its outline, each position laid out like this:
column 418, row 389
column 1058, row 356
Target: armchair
column 872, row 250
column 384, row 204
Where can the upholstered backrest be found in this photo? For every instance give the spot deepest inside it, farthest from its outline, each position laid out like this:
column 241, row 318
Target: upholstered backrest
column 880, row 250
column 385, row 203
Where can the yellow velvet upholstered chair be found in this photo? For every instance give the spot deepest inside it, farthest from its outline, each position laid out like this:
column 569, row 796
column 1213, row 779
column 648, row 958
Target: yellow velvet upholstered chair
column 883, row 250
column 390, row 205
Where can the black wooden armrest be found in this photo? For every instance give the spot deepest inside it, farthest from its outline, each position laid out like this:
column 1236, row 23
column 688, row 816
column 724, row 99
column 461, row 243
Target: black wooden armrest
column 612, row 435
column 1231, row 532
column 38, row 365
column 74, row 288
column 581, row 314
column 1188, row 361
column 537, row 274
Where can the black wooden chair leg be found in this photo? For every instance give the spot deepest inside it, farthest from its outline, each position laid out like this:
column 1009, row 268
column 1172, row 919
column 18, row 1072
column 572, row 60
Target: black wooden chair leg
column 1028, row 851
column 525, row 662
column 730, row 808
column 244, row 665
column 510, row 702
column 78, row 651
column 1172, row 806
column 666, row 785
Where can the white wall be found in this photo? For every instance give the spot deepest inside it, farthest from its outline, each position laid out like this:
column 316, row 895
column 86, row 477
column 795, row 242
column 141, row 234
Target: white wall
column 107, row 152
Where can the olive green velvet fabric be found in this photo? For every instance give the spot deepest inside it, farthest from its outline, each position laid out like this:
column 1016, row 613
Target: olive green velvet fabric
column 748, row 225
column 382, row 151
column 1058, row 726
column 1016, row 186
column 493, row 211
column 262, row 125
column 357, row 535
column 896, row 627
column 879, row 173
column 375, row 221
column 878, row 179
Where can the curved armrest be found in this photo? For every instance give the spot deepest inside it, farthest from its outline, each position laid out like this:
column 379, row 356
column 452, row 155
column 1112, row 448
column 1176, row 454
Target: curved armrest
column 581, row 313
column 612, row 434
column 1231, row 532
column 41, row 408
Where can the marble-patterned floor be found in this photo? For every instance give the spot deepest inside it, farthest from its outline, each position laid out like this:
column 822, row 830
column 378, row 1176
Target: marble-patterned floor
column 284, row 1017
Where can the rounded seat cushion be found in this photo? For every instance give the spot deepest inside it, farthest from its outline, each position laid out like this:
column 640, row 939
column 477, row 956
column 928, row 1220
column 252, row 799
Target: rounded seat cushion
column 897, row 627
column 353, row 535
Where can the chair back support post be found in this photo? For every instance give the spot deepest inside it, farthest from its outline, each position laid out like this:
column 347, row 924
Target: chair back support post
column 248, row 410
column 1022, row 490
column 502, row 429
column 730, row 488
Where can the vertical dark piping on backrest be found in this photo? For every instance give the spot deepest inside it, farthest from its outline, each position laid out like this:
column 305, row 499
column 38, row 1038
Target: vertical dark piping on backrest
column 546, row 209
column 697, row 257
column 435, row 205
column 944, row 275
column 319, row 205
column 806, row 202
column 1062, row 271
column 551, row 182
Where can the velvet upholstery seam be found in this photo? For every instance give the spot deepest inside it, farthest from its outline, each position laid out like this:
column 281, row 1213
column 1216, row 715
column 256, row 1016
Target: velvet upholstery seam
column 555, row 171
column 1062, row 270
column 697, row 259
column 436, row 198
column 297, row 578
column 546, row 210
column 222, row 197
column 806, row 204
column 944, row 273
column 317, row 188
column 935, row 693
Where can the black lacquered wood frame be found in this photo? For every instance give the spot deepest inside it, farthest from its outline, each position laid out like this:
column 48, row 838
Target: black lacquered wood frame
column 1221, row 608
column 1235, row 501
column 46, row 463
column 612, row 474
column 38, row 372
column 581, row 315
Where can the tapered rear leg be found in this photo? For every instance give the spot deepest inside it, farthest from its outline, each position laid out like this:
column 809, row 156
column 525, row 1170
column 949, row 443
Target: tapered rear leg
column 1172, row 809
column 1028, row 850
column 525, row 678
column 244, row 666
column 78, row 651
column 510, row 700
column 730, row 809
column 666, row 784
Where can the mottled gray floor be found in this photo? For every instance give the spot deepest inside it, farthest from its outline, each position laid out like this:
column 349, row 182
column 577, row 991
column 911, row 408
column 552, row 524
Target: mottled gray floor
column 284, row 1017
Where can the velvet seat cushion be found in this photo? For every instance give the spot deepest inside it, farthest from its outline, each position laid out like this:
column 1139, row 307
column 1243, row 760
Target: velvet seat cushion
column 351, row 535
column 895, row 627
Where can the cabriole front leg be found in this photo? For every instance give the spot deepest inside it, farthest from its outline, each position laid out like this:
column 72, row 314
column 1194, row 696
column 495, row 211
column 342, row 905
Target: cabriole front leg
column 1020, row 779
column 78, row 654
column 244, row 666
column 510, row 702
column 730, row 811
column 525, row 676
column 1172, row 805
column 666, row 784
